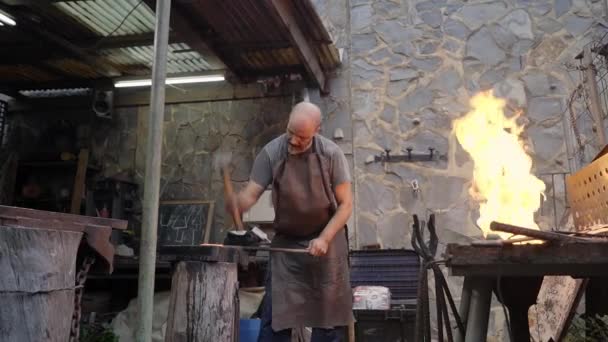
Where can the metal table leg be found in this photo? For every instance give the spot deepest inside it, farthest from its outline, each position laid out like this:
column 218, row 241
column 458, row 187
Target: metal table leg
column 463, row 311
column 479, row 310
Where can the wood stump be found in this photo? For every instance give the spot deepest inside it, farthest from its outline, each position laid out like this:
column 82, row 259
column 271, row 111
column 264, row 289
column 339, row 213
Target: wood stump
column 37, row 268
column 204, row 303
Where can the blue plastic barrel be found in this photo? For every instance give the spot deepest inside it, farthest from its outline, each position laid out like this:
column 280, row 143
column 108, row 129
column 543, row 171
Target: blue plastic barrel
column 249, row 330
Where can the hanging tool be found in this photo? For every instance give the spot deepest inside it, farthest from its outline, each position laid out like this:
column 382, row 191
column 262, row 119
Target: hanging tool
column 427, row 252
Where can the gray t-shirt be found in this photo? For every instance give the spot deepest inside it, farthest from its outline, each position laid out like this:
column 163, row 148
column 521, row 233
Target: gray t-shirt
column 276, row 150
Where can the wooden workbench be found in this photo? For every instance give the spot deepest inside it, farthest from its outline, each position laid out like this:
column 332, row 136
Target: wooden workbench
column 521, row 269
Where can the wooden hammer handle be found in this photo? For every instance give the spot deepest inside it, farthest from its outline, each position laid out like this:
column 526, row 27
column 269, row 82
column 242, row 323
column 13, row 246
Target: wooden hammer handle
column 229, row 196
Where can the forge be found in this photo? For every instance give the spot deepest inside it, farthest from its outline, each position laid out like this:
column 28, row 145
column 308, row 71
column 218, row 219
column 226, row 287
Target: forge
column 514, row 272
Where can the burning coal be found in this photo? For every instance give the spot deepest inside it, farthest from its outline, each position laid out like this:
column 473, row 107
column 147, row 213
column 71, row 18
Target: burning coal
column 503, row 183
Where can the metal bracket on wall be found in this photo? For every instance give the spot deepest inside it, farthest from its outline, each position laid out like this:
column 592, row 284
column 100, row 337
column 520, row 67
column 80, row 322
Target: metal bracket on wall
column 387, row 157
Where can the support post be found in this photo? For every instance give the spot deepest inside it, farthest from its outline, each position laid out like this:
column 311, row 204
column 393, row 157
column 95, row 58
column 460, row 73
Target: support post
column 594, row 99
column 147, row 254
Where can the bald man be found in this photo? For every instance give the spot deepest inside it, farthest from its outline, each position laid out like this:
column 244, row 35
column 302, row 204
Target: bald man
column 311, row 192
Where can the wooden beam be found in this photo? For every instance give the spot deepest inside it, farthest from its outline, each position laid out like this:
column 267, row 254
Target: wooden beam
column 205, row 92
column 189, row 34
column 283, row 11
column 102, row 83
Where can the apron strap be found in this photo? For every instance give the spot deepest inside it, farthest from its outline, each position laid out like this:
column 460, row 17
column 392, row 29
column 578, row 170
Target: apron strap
column 330, row 195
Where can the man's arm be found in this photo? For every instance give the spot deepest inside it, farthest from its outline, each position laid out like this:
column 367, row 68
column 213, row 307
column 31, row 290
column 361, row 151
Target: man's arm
column 248, row 196
column 344, row 197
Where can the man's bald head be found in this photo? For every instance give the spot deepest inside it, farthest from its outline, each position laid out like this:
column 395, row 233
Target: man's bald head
column 305, row 112
column 304, row 123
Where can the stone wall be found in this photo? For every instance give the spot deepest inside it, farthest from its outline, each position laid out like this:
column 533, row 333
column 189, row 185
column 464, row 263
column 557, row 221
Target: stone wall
column 194, row 135
column 416, row 64
column 412, row 67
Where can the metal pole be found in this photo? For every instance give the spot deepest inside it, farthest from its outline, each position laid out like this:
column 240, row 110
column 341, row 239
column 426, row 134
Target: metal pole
column 479, row 310
column 595, row 106
column 147, row 254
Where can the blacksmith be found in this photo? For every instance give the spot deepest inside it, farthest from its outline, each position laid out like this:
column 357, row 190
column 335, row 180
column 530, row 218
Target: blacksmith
column 311, row 192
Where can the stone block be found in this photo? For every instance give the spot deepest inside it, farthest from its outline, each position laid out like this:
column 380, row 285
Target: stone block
column 393, row 32
column 396, row 89
column 519, row 23
column 363, row 43
column 365, row 104
column 547, row 51
column 576, row 25
column 367, row 234
column 441, row 192
column 447, row 82
column 376, row 197
column 549, row 25
column 416, row 100
column 477, row 14
column 400, row 74
column 405, row 48
column 361, row 19
column 482, row 47
column 433, row 18
column 547, row 142
column 513, row 90
column 541, row 109
column 387, row 9
column 562, row 7
column 427, row 64
column 395, row 230
column 456, row 29
column 388, row 114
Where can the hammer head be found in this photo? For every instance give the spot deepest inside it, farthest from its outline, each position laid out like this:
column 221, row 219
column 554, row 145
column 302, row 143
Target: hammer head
column 222, row 161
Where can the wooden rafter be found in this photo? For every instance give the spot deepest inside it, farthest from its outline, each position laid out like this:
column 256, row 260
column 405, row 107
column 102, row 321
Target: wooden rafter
column 283, row 11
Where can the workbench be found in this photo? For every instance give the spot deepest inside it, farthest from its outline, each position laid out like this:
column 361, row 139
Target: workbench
column 521, row 269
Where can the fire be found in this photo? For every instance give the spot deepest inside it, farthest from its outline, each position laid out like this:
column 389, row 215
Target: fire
column 503, row 183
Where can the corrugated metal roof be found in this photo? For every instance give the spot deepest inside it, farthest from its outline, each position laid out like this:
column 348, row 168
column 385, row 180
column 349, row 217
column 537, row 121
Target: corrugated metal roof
column 181, row 58
column 105, row 16
column 111, row 17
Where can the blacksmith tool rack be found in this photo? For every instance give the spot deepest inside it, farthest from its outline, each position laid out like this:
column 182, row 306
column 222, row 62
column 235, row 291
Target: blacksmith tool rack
column 427, row 251
column 409, row 156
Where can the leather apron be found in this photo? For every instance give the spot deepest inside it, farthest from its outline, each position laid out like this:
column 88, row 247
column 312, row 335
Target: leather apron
column 307, row 291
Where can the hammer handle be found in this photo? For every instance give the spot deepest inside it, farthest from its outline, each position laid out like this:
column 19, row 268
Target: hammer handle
column 229, row 195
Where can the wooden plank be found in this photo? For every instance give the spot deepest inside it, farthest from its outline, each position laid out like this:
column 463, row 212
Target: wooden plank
column 576, row 259
column 284, row 12
column 16, row 213
column 81, row 173
column 204, row 303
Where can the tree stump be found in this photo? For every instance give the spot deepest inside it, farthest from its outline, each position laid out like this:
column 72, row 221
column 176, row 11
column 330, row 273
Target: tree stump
column 37, row 268
column 204, row 303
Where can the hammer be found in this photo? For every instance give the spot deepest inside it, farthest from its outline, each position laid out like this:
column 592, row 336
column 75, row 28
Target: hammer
column 222, row 160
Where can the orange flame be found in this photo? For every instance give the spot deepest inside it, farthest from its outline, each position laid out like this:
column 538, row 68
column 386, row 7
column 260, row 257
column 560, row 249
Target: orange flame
column 503, row 183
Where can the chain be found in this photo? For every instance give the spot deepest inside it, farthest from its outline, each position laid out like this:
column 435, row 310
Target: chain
column 81, row 277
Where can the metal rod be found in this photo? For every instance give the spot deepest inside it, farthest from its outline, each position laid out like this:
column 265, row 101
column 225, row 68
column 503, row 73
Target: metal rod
column 147, row 254
column 252, row 248
column 595, row 106
column 537, row 234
